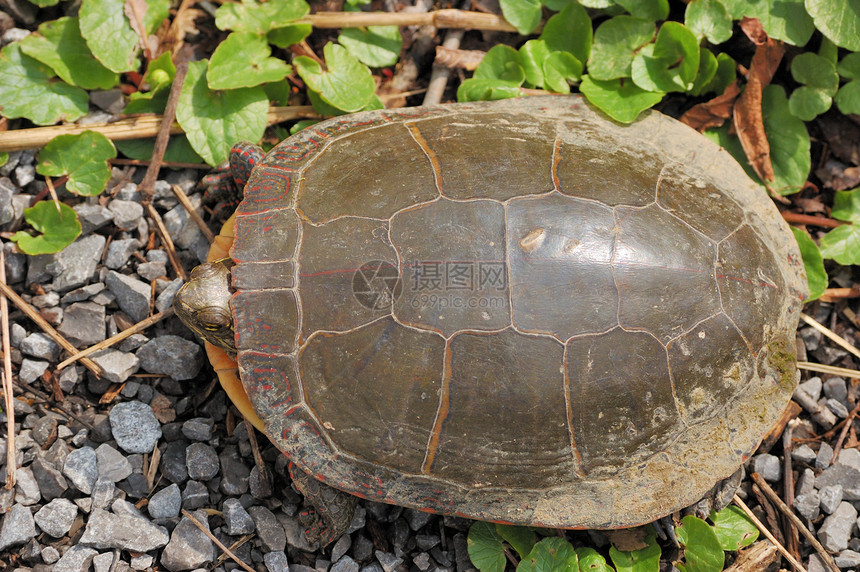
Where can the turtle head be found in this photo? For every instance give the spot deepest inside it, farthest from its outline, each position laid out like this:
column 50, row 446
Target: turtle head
column 203, row 304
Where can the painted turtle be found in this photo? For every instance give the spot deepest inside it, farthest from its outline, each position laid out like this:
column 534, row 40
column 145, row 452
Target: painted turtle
column 515, row 311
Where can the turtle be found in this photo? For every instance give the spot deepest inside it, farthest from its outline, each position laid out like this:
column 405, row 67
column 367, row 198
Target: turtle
column 516, row 311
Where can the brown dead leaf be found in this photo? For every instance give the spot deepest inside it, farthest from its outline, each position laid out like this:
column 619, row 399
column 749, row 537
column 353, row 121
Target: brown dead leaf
column 754, row 31
column 162, row 409
column 842, row 137
column 712, row 113
column 747, row 118
column 628, row 539
column 838, row 176
column 135, row 10
column 808, row 206
column 183, row 25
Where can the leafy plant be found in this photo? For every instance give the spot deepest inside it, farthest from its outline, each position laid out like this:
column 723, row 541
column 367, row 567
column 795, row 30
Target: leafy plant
column 58, row 224
column 489, row 546
column 84, row 158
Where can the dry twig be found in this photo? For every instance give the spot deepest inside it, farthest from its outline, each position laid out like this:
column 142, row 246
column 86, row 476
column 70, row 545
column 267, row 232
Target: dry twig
column 795, row 520
column 189, row 208
column 797, row 565
column 9, row 404
column 218, row 543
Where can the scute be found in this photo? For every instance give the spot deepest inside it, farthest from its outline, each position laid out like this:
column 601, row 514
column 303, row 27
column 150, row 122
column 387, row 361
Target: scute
column 580, row 324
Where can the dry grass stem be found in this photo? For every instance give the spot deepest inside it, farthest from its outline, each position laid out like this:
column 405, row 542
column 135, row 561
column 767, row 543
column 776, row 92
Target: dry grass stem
column 46, row 327
column 449, row 18
column 797, row 565
column 138, row 127
column 217, row 542
column 844, row 433
column 831, row 369
column 827, row 332
column 795, row 520
column 183, row 198
column 167, row 242
column 9, row 404
column 757, row 557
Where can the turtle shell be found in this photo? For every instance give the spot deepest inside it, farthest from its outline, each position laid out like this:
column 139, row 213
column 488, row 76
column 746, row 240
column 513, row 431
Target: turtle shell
column 515, row 311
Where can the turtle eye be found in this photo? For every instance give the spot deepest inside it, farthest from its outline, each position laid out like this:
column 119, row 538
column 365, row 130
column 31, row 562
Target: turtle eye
column 214, row 319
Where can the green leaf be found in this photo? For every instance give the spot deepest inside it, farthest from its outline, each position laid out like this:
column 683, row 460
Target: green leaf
column 839, row 20
column 708, row 19
column 501, row 62
column 159, row 76
column 27, row 90
column 259, row 18
column 59, row 44
column 346, row 85
column 45, row 3
column 59, row 229
column 157, row 11
column 476, row 89
column 569, row 31
column 821, row 82
column 108, row 34
column 671, row 63
column 703, row 552
column 724, row 75
column 244, row 60
column 375, row 46
column 733, row 527
column 592, row 561
column 521, row 538
column 83, row 157
column 813, row 262
column 485, row 547
column 646, row 9
column 785, row 20
column 846, row 206
column 289, row 35
column 842, row 244
column 597, row 4
column 178, row 150
column 848, row 97
column 620, row 99
column 4, row 158
column 643, row 560
column 559, row 68
column 616, row 42
column 532, row 55
column 524, row 15
column 552, row 554
column 708, row 67
column 302, row 124
column 214, row 121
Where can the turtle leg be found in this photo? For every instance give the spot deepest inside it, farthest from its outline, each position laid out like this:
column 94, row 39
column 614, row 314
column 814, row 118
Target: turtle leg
column 332, row 509
column 716, row 499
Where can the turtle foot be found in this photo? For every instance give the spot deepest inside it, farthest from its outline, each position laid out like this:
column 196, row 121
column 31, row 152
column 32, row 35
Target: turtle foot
column 332, row 509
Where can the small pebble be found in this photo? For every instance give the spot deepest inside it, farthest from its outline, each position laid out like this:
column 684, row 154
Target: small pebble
column 825, row 455
column 134, row 427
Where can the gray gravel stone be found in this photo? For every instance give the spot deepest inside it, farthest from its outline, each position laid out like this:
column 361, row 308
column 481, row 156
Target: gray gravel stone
column 106, row 530
column 803, row 454
column 50, row 555
column 836, row 388
column 52, row 483
column 269, row 530
column 835, row 532
column 234, row 472
column 236, row 519
column 40, row 346
column 181, row 227
column 104, row 493
column 83, row 324
column 198, row 428
column 177, row 357
column 808, row 505
column 849, row 458
column 76, row 559
column 134, row 426
column 830, row 497
column 201, row 461
column 31, row 370
column 837, row 408
column 117, row 366
column 76, row 265
column 132, row 295
column 839, row 474
column 119, row 251
column 389, row 561
column 165, row 503
column 92, row 217
column 83, row 293
column 18, row 527
column 847, row 559
column 189, row 548
column 81, row 469
column 345, row 564
column 26, row 488
column 768, row 466
column 113, row 466
column 126, row 214
column 276, row 561
column 151, row 270
column 825, row 455
column 195, row 495
column 56, row 517
column 173, row 463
